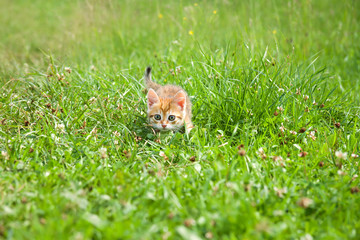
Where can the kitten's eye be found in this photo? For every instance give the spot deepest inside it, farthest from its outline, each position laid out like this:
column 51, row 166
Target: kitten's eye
column 157, row 117
column 171, row 118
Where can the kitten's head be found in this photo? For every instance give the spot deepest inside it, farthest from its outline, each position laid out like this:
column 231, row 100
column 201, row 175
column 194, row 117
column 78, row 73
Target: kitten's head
column 166, row 114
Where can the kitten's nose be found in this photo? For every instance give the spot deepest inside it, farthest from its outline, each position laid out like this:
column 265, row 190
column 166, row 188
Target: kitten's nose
column 163, row 125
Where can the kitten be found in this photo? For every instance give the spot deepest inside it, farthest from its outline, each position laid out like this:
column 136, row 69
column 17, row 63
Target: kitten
column 169, row 106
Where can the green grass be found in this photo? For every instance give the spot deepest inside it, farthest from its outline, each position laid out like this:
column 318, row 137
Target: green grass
column 79, row 162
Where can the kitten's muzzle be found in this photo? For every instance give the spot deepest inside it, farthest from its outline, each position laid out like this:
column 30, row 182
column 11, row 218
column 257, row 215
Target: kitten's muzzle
column 163, row 125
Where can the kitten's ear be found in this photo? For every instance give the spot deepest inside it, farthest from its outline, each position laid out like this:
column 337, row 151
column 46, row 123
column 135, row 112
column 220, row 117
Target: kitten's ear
column 152, row 97
column 180, row 99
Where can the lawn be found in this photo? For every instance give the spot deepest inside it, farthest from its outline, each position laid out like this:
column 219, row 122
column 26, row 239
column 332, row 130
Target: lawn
column 275, row 149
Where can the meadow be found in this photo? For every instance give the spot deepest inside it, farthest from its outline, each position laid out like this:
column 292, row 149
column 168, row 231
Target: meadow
column 275, row 149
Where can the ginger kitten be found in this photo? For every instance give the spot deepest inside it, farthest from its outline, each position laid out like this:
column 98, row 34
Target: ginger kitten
column 169, row 106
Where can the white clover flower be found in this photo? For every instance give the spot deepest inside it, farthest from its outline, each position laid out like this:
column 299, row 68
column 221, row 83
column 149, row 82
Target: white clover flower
column 280, row 191
column 280, row 108
column 282, row 128
column 278, row 213
column 341, row 155
column 5, row 155
column 306, row 237
column 116, row 134
column 162, row 154
column 103, row 152
column 67, row 69
column 312, row 135
column 354, row 177
column 60, row 128
column 261, row 151
column 55, row 138
column 278, row 159
column 305, row 202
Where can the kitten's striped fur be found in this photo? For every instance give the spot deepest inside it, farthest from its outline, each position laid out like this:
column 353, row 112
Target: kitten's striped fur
column 169, row 106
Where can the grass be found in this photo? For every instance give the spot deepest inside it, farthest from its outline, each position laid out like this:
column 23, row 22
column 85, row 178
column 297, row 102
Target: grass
column 274, row 91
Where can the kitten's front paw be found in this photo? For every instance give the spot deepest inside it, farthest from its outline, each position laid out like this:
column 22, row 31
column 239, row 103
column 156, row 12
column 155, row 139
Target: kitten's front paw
column 189, row 128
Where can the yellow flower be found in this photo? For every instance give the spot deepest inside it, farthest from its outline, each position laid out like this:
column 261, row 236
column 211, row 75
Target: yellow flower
column 160, row 16
column 195, row 4
column 184, row 18
column 214, row 12
column 191, row 32
column 165, row 80
column 274, row 31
